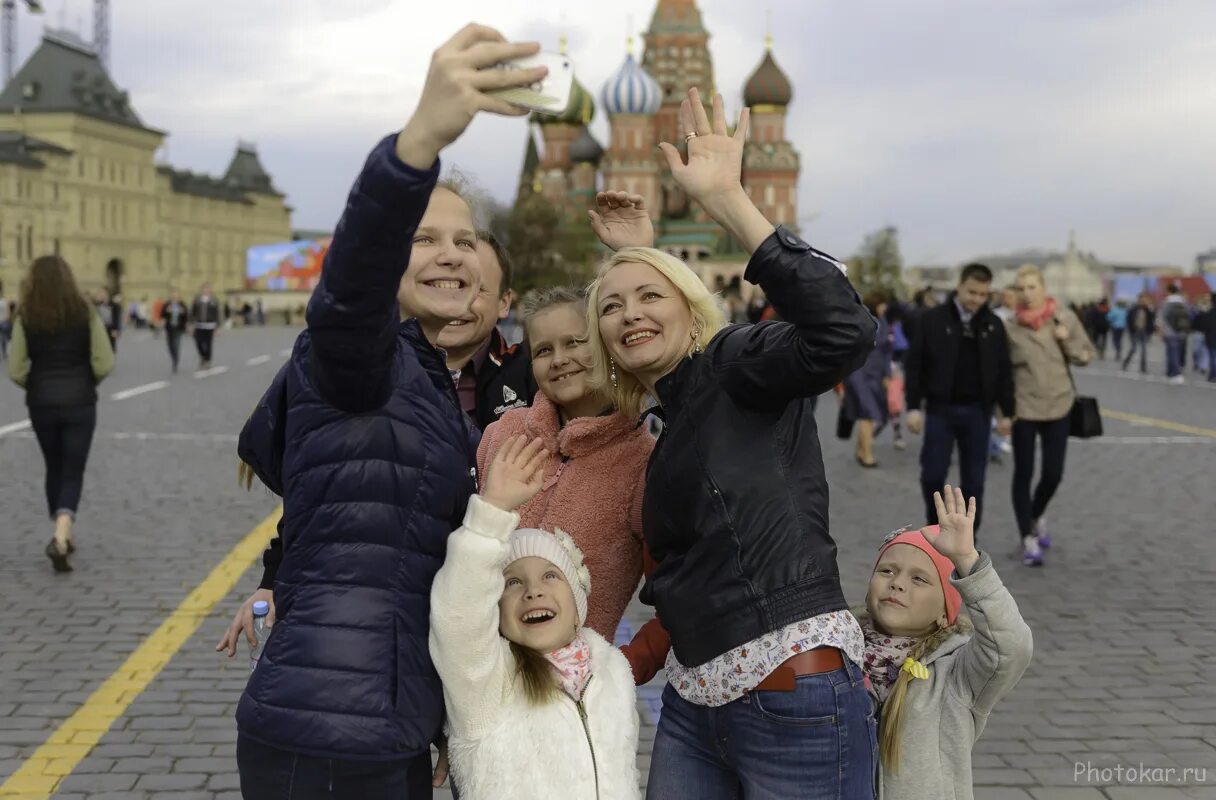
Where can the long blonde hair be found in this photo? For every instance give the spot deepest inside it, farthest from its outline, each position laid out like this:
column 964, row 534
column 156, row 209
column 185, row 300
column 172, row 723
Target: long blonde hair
column 535, row 673
column 892, row 719
column 707, row 319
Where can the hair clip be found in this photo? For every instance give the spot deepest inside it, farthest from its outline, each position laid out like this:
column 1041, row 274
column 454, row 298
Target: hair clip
column 886, row 539
column 915, row 669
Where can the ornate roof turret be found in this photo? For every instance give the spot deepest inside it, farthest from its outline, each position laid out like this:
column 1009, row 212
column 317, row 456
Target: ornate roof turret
column 585, row 149
column 632, row 90
column 768, row 85
column 245, row 171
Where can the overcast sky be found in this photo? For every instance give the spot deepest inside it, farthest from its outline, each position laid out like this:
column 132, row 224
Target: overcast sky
column 975, row 126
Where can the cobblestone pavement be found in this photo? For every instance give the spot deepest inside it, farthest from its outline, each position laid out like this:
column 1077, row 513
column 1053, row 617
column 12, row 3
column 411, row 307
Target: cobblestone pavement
column 1122, row 676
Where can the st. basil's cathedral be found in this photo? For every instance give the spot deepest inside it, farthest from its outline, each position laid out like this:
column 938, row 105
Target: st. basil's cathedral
column 643, row 106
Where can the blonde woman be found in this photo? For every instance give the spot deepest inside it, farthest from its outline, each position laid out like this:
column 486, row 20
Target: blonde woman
column 1044, row 339
column 735, row 505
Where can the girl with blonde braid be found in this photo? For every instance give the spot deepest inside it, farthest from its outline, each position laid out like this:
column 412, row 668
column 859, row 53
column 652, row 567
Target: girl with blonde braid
column 937, row 677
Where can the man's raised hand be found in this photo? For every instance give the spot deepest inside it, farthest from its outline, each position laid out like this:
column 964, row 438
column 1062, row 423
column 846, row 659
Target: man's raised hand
column 460, row 77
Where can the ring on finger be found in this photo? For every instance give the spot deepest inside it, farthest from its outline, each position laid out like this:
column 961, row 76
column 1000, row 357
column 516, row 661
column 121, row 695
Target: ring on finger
column 688, row 137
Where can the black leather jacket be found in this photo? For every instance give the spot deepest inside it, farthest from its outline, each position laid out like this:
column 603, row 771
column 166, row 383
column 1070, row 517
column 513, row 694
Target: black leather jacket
column 736, row 505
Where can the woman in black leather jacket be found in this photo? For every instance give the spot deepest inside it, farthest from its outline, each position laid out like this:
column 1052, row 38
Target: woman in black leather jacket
column 766, row 695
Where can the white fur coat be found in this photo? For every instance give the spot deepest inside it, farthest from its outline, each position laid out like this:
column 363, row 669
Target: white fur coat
column 500, row 746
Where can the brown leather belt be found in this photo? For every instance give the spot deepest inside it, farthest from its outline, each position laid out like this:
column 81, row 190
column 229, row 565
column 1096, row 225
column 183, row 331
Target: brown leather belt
column 812, row 662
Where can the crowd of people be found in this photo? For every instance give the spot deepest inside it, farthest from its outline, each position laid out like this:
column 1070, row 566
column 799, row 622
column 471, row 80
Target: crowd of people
column 465, row 519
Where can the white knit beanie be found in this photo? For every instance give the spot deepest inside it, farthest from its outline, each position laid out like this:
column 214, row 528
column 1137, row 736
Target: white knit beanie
column 560, row 551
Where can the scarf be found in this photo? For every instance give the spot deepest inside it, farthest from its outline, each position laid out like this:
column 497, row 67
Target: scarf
column 1035, row 319
column 573, row 665
column 884, row 656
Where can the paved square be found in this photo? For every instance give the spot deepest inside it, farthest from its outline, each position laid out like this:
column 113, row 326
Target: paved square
column 1122, row 614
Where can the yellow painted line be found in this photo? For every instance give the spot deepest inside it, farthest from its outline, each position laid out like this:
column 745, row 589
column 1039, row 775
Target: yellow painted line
column 1159, row 423
column 39, row 776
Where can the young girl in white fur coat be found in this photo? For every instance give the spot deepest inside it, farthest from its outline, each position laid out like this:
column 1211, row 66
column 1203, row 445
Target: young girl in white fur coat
column 538, row 706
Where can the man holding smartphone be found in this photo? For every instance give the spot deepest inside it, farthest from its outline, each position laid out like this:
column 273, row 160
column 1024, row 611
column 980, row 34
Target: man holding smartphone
column 377, row 468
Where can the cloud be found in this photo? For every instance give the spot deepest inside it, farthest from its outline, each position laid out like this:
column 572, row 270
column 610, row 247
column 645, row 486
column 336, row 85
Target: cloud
column 973, row 126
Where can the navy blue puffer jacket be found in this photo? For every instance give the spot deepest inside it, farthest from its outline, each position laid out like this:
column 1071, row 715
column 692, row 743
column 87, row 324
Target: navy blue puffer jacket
column 363, row 433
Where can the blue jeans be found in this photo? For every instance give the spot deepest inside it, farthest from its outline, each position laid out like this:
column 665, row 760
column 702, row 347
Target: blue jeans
column 819, row 740
column 1175, row 355
column 268, row 773
column 970, row 426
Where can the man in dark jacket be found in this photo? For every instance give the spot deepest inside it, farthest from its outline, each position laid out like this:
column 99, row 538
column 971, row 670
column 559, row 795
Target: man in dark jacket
column 205, row 315
column 376, row 462
column 1141, row 322
column 1205, row 323
column 175, row 317
column 958, row 369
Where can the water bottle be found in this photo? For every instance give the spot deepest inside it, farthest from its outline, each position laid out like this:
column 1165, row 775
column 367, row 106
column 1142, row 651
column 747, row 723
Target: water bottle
column 260, row 609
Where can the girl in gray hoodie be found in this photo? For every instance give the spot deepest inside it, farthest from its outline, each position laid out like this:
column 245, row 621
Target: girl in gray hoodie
column 936, row 677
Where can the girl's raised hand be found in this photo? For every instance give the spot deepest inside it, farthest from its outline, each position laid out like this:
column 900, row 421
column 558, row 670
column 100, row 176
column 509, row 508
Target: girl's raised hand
column 955, row 538
column 516, row 473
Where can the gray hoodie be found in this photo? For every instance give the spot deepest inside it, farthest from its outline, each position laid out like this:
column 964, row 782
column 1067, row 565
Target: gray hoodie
column 945, row 714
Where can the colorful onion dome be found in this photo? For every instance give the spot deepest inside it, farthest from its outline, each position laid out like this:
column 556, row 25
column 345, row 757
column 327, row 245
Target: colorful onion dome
column 632, row 90
column 768, row 85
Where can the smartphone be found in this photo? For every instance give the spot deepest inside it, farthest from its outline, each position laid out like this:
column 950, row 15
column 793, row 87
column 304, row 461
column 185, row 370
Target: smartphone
column 548, row 96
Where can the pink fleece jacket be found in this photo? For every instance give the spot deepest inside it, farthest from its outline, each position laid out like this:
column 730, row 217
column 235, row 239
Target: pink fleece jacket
column 593, row 489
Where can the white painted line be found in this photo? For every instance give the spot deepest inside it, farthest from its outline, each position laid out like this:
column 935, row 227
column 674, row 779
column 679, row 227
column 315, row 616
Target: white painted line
column 13, row 427
column 1147, row 440
column 285, row 352
column 1193, row 379
column 144, row 436
column 253, row 362
column 207, row 373
column 147, row 387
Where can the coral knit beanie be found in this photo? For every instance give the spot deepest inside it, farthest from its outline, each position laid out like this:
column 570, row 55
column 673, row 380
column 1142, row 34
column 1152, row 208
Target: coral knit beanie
column 945, row 567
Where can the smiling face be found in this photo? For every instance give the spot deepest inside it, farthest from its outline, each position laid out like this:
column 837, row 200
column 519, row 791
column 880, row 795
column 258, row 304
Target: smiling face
column 441, row 279
column 905, row 597
column 644, row 320
column 491, row 305
column 537, row 608
column 561, row 355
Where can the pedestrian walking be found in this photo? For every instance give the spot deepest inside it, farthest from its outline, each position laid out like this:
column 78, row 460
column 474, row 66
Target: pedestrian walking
column 205, row 318
column 60, row 352
column 175, row 317
column 958, row 374
column 1044, row 342
column 1141, row 322
column 1175, row 324
column 865, row 402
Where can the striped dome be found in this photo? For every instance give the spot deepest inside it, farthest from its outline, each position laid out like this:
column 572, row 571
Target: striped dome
column 632, row 91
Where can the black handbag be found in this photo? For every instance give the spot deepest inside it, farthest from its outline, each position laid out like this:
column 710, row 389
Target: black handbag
column 1085, row 418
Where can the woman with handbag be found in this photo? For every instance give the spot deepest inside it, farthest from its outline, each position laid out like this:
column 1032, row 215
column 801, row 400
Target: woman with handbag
column 1045, row 338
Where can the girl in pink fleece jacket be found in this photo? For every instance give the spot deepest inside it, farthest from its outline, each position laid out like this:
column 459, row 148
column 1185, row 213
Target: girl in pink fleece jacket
column 596, row 472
